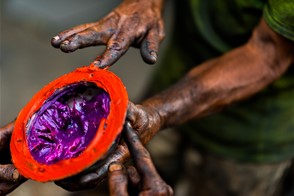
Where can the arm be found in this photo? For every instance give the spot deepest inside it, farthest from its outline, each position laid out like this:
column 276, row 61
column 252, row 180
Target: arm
column 208, row 87
column 133, row 23
column 214, row 84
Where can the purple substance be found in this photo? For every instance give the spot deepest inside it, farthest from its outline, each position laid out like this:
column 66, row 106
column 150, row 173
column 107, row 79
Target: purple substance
column 67, row 122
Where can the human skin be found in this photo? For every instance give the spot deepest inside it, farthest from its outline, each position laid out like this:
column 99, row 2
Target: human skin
column 10, row 179
column 135, row 23
column 143, row 177
column 116, row 31
column 205, row 89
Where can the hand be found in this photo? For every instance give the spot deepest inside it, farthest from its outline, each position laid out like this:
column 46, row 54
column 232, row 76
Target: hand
column 143, row 119
column 136, row 23
column 10, row 179
column 144, row 179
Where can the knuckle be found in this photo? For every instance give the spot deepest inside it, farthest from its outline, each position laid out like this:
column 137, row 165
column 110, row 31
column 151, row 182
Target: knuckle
column 116, row 46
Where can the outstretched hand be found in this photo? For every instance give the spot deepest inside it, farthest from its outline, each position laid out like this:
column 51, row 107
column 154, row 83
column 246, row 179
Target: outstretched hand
column 10, row 179
column 132, row 23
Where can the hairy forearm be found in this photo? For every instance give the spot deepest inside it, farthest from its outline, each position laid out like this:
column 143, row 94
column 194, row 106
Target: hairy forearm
column 234, row 76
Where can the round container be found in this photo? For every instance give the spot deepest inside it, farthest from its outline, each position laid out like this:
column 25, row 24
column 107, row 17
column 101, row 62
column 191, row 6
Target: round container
column 31, row 159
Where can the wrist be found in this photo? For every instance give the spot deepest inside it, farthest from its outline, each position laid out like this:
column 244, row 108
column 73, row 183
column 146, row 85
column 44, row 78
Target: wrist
column 154, row 106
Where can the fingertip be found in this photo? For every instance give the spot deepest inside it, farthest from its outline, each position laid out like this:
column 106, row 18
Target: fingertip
column 67, row 46
column 149, row 55
column 115, row 167
column 55, row 41
column 16, row 175
column 101, row 64
column 152, row 57
column 56, row 38
column 97, row 63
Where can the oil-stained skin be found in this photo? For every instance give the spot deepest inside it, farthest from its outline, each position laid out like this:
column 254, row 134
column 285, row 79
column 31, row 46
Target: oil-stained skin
column 234, row 76
column 10, row 179
column 143, row 119
column 208, row 87
column 132, row 23
column 143, row 176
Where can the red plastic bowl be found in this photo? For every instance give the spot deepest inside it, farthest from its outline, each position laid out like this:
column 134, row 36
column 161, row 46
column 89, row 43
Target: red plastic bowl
column 106, row 135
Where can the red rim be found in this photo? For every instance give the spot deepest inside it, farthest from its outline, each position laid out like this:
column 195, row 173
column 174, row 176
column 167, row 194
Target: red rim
column 99, row 146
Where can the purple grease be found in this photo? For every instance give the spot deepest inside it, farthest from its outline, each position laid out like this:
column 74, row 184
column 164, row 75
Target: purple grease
column 67, row 122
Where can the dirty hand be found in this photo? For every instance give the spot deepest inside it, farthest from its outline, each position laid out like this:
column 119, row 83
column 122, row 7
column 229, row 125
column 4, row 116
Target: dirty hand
column 144, row 179
column 132, row 23
column 10, row 179
column 145, row 121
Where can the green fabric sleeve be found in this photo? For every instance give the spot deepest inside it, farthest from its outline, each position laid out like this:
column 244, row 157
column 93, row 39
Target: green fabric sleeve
column 279, row 15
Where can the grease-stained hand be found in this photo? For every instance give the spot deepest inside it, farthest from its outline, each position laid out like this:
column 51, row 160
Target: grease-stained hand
column 145, row 120
column 10, row 178
column 143, row 178
column 132, row 23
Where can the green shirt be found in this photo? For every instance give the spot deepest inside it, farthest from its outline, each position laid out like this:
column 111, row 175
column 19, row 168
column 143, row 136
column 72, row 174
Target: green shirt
column 260, row 129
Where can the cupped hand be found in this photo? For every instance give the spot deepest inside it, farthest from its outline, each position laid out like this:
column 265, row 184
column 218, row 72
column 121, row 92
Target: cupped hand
column 143, row 119
column 132, row 23
column 10, row 179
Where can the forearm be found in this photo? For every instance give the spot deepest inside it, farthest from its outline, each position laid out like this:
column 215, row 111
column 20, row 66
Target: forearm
column 236, row 75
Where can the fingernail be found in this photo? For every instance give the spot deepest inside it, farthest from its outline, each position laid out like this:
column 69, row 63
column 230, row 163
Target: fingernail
column 56, row 37
column 115, row 167
column 65, row 42
column 153, row 55
column 97, row 63
column 15, row 174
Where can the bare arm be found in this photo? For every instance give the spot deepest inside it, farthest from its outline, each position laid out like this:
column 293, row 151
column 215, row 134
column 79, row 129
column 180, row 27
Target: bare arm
column 236, row 75
column 210, row 86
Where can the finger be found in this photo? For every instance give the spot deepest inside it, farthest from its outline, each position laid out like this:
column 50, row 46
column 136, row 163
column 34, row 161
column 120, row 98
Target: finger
column 92, row 179
column 9, row 173
column 133, row 176
column 131, row 112
column 107, row 22
column 152, row 182
column 150, row 44
column 140, row 155
column 117, row 179
column 149, row 47
column 84, row 39
column 116, row 47
column 56, row 41
column 5, row 136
